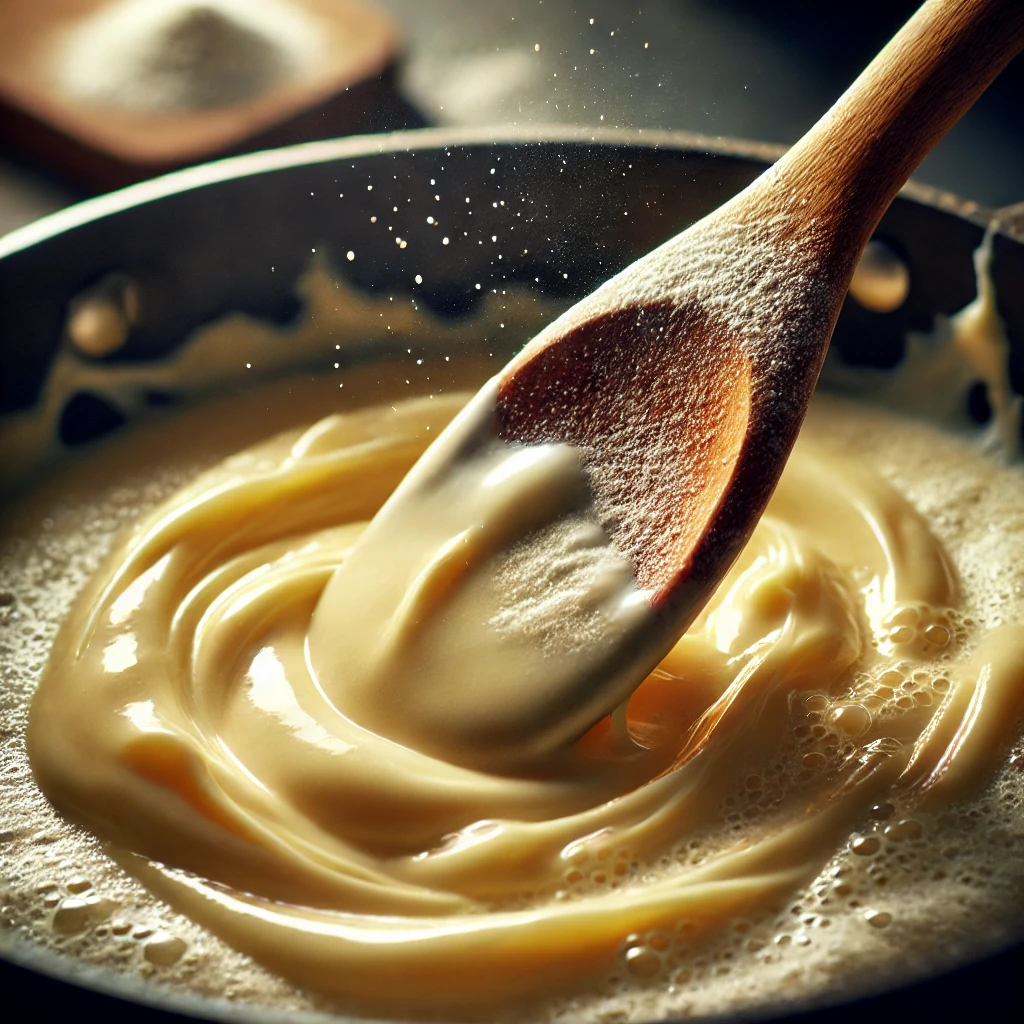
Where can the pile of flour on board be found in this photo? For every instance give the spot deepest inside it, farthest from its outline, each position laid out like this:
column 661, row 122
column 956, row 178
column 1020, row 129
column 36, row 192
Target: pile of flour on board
column 181, row 56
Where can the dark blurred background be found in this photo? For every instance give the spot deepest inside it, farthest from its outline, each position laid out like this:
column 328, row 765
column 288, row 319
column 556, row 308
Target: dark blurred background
column 746, row 68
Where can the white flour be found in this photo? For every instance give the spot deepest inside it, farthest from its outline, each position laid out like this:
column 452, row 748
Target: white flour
column 179, row 56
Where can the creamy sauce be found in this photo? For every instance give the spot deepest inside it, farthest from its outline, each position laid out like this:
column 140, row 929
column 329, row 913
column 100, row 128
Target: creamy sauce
column 834, row 671
column 778, row 808
column 881, row 281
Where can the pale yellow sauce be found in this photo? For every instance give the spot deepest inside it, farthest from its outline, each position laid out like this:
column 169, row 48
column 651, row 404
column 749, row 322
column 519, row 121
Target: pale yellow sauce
column 833, row 672
column 777, row 811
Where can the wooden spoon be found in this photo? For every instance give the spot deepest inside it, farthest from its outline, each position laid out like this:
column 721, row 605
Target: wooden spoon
column 683, row 381
column 682, row 384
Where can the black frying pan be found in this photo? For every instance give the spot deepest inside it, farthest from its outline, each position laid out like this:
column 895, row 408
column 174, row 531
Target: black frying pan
column 202, row 243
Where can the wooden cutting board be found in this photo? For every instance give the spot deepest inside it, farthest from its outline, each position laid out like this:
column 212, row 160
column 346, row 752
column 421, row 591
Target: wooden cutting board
column 107, row 146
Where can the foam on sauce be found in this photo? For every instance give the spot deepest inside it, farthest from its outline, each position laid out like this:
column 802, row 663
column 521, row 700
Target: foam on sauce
column 779, row 807
column 833, row 672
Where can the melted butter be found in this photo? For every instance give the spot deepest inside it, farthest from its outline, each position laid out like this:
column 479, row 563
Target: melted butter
column 939, row 368
column 181, row 718
column 339, row 325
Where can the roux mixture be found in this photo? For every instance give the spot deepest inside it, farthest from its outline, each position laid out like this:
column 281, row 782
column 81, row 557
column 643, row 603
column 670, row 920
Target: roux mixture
column 821, row 768
column 835, row 671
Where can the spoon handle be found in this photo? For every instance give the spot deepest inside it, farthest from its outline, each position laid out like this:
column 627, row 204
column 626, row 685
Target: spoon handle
column 851, row 164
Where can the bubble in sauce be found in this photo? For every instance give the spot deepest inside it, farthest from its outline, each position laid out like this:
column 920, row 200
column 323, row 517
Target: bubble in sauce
column 77, row 913
column 881, row 281
column 163, row 949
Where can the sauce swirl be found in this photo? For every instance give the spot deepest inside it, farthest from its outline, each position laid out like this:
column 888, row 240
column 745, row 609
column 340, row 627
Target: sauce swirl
column 184, row 718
